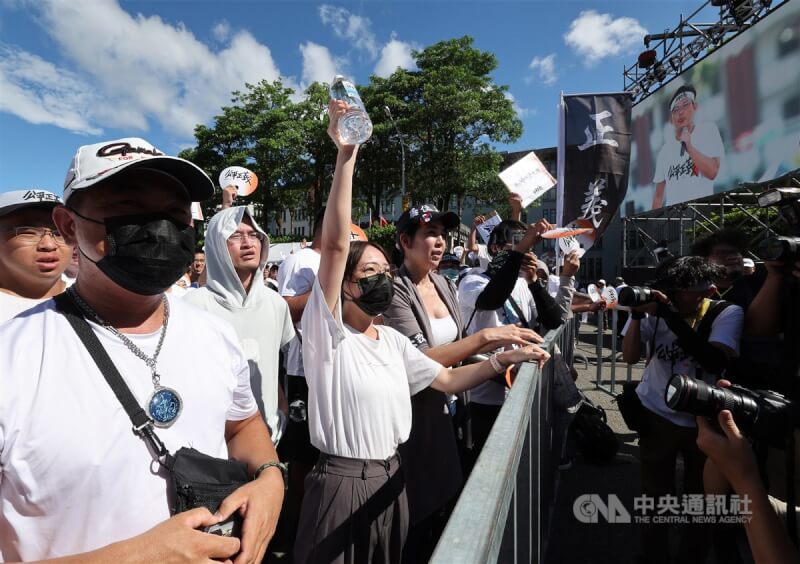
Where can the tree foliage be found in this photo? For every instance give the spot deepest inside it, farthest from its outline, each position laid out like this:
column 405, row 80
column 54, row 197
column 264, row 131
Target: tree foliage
column 448, row 112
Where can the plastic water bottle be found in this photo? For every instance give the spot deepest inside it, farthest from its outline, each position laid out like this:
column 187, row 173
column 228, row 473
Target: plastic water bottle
column 355, row 127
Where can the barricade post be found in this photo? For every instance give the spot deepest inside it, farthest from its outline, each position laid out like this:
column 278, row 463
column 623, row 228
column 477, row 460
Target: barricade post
column 503, row 513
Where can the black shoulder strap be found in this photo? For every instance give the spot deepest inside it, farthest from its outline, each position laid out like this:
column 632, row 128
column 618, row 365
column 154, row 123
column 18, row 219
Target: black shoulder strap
column 716, row 307
column 518, row 311
column 142, row 424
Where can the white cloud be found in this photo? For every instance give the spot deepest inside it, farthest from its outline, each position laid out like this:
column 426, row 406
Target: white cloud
column 318, row 63
column 395, row 54
column 352, row 27
column 546, row 68
column 596, row 36
column 137, row 69
column 521, row 112
column 41, row 93
column 221, row 31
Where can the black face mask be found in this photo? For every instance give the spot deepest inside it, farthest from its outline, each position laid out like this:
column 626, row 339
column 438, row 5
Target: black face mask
column 376, row 296
column 147, row 253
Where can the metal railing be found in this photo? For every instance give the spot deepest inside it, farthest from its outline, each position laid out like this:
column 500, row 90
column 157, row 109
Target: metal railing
column 504, row 511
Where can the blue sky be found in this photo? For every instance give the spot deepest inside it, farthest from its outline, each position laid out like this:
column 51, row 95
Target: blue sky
column 75, row 72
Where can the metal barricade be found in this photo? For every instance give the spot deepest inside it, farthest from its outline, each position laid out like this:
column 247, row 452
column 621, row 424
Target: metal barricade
column 504, row 511
column 599, row 350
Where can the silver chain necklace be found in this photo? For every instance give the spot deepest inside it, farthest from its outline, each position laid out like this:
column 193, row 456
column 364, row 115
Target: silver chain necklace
column 165, row 404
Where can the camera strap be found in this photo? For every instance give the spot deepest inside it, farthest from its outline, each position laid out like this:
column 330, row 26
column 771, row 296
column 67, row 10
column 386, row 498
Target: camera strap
column 142, row 424
column 518, row 311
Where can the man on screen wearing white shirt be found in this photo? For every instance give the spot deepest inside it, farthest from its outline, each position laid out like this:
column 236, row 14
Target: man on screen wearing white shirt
column 74, row 479
column 33, row 254
column 689, row 160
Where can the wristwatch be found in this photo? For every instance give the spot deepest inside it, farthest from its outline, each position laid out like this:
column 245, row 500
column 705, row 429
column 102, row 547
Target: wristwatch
column 280, row 466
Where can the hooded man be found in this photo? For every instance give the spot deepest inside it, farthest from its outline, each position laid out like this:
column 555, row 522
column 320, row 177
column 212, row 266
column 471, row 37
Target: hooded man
column 236, row 255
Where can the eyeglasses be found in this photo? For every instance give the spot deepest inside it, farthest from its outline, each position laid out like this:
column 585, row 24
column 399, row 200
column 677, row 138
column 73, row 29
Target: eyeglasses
column 32, row 235
column 238, row 237
column 373, row 268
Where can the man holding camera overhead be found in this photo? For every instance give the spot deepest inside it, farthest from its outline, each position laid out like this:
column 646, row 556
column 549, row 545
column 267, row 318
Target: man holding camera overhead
column 686, row 333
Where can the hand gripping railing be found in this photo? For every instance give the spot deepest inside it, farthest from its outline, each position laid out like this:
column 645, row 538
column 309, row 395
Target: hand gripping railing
column 503, row 512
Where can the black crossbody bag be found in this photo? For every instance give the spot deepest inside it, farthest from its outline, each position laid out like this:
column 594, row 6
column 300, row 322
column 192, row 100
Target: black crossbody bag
column 196, row 479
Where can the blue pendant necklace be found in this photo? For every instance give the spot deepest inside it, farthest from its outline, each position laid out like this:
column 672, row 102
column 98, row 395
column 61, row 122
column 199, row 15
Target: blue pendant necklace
column 164, row 405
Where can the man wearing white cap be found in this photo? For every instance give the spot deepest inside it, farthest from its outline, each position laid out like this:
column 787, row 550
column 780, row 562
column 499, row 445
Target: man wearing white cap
column 33, row 254
column 689, row 160
column 74, row 479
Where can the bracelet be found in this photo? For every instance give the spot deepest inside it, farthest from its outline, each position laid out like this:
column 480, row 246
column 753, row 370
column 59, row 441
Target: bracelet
column 496, row 365
column 637, row 315
column 276, row 464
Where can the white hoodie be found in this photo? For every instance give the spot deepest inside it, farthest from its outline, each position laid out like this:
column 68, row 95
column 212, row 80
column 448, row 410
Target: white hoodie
column 261, row 317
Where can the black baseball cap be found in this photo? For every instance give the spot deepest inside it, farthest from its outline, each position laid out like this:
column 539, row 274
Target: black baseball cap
column 426, row 213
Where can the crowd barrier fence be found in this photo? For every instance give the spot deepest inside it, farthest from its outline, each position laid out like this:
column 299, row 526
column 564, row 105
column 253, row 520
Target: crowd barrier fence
column 504, row 511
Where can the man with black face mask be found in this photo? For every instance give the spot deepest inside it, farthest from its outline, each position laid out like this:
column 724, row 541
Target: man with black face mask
column 74, row 478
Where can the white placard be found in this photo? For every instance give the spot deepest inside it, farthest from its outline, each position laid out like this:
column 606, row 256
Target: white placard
column 528, row 177
column 245, row 180
column 569, row 244
column 197, row 211
column 485, row 228
column 609, row 294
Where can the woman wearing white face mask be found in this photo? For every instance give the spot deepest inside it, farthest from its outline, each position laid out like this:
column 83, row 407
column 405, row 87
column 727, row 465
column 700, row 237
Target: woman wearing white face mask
column 425, row 309
column 360, row 378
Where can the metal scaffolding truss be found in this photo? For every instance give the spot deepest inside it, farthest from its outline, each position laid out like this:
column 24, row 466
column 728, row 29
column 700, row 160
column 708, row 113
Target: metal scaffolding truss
column 691, row 41
column 675, row 228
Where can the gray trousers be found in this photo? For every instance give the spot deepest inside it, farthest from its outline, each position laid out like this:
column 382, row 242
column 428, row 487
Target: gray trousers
column 354, row 511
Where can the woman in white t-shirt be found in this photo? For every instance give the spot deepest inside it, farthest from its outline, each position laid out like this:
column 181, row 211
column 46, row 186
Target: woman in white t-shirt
column 360, row 378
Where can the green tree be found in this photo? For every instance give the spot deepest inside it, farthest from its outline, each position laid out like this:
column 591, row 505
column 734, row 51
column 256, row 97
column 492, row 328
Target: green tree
column 258, row 131
column 451, row 110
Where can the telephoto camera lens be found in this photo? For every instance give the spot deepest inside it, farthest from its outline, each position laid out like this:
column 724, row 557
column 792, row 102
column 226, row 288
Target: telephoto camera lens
column 698, row 398
column 631, row 296
column 780, row 248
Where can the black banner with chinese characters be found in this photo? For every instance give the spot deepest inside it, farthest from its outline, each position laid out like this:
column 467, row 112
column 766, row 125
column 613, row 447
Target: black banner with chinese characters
column 595, row 144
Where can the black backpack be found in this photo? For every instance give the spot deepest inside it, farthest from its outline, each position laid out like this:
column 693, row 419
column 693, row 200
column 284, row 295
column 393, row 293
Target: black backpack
column 592, row 434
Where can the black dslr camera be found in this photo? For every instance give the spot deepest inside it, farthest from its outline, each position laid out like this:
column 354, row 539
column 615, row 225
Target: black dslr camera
column 764, row 415
column 787, row 248
column 632, row 296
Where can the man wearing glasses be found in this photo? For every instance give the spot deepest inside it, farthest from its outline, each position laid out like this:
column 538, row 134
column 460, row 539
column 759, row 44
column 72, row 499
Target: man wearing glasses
column 689, row 160
column 33, row 254
column 236, row 255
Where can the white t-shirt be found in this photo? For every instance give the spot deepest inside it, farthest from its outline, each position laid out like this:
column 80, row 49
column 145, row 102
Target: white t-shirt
column 668, row 358
column 10, row 305
column 359, row 389
column 684, row 181
column 73, row 477
column 482, row 255
column 296, row 277
column 492, row 393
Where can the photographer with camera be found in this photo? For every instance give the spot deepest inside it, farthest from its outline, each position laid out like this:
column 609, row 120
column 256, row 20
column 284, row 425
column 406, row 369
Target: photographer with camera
column 727, row 248
column 689, row 334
